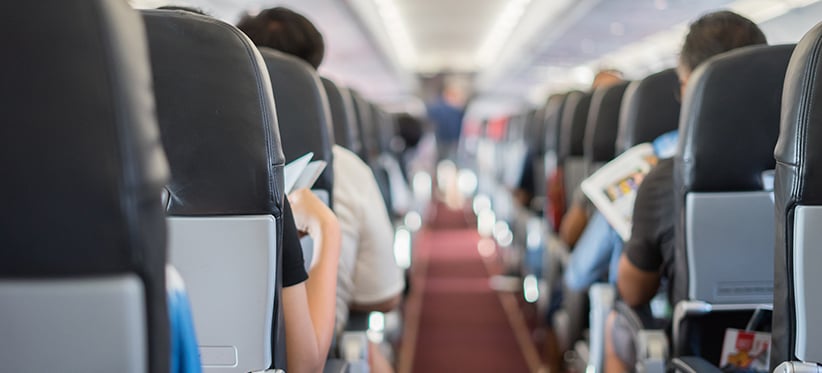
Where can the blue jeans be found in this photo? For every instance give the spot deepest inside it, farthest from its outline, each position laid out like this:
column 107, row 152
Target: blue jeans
column 595, row 255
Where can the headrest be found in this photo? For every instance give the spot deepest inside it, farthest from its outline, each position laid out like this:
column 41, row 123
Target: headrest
column 362, row 112
column 649, row 109
column 574, row 119
column 534, row 128
column 216, row 114
column 384, row 128
column 801, row 115
column 730, row 120
column 83, row 166
column 553, row 119
column 603, row 123
column 302, row 111
column 344, row 120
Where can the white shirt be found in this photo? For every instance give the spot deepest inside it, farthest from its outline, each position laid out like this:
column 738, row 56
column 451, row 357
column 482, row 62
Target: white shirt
column 367, row 272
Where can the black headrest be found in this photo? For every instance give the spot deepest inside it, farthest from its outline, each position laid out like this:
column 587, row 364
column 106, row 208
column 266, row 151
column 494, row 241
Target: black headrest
column 384, row 129
column 553, row 119
column 534, row 128
column 649, row 109
column 216, row 114
column 800, row 132
column 344, row 120
column 574, row 119
column 83, row 167
column 603, row 123
column 730, row 120
column 362, row 112
column 302, row 111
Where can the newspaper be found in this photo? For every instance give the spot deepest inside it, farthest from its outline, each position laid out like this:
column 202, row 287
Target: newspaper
column 612, row 188
column 744, row 351
column 302, row 172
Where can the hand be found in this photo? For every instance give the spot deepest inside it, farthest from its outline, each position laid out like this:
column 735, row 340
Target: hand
column 311, row 215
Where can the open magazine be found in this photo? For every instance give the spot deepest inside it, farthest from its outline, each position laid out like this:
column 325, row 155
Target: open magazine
column 744, row 351
column 302, row 172
column 612, row 188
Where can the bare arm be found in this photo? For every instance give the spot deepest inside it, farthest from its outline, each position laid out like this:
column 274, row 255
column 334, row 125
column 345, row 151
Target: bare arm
column 573, row 223
column 309, row 307
column 387, row 305
column 637, row 287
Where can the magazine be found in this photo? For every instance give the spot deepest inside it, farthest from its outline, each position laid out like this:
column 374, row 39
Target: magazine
column 612, row 188
column 302, row 172
column 744, row 351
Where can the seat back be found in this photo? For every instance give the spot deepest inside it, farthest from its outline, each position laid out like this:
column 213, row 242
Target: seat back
column 303, row 114
column 343, row 117
column 82, row 264
column 603, row 124
column 571, row 141
column 362, row 112
column 798, row 197
column 555, row 207
column 225, row 195
column 724, row 218
column 649, row 109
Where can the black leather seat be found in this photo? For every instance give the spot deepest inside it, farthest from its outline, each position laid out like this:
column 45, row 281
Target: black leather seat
column 303, row 113
column 82, row 234
column 798, row 195
column 362, row 113
column 343, row 116
column 219, row 126
column 603, row 125
column 571, row 141
column 649, row 109
column 724, row 217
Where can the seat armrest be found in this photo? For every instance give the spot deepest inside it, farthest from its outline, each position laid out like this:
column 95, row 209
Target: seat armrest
column 693, row 364
column 798, row 367
column 652, row 350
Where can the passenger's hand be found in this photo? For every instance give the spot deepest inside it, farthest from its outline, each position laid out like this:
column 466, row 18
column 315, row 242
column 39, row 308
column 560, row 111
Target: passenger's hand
column 311, row 215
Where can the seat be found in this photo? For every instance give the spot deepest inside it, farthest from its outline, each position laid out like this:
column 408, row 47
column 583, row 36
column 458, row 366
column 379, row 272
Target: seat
column 571, row 142
column 362, row 114
column 303, row 114
column 599, row 145
column 343, row 116
column 723, row 215
column 796, row 333
column 649, row 109
column 82, row 264
column 225, row 198
column 555, row 207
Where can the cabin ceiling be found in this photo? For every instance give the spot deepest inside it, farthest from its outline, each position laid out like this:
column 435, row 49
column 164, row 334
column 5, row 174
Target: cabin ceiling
column 518, row 49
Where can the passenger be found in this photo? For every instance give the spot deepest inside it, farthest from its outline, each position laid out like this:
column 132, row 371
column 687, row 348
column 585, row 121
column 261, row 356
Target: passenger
column 649, row 254
column 576, row 218
column 369, row 278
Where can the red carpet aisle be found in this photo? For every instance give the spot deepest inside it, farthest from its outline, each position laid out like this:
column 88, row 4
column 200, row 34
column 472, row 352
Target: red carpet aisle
column 456, row 322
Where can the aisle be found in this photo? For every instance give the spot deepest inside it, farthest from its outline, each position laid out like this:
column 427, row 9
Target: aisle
column 457, row 323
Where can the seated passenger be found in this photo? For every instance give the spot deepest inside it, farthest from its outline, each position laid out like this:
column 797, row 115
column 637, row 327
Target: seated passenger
column 648, row 256
column 369, row 278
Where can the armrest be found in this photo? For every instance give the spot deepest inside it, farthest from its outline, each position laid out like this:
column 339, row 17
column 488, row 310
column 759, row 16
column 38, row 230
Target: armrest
column 336, row 366
column 693, row 364
column 652, row 351
column 602, row 296
column 798, row 367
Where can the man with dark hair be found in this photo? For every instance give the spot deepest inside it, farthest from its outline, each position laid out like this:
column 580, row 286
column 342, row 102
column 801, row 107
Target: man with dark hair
column 286, row 31
column 649, row 254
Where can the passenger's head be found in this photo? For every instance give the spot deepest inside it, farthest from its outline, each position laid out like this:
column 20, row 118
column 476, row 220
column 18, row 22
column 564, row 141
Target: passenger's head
column 712, row 34
column 286, row 31
column 605, row 78
column 410, row 129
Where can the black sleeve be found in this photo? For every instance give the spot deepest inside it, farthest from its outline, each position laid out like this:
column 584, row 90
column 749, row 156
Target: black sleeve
column 653, row 214
column 293, row 263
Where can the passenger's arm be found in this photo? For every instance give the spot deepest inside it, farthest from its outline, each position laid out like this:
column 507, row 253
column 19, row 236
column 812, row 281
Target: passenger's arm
column 573, row 223
column 309, row 307
column 636, row 287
